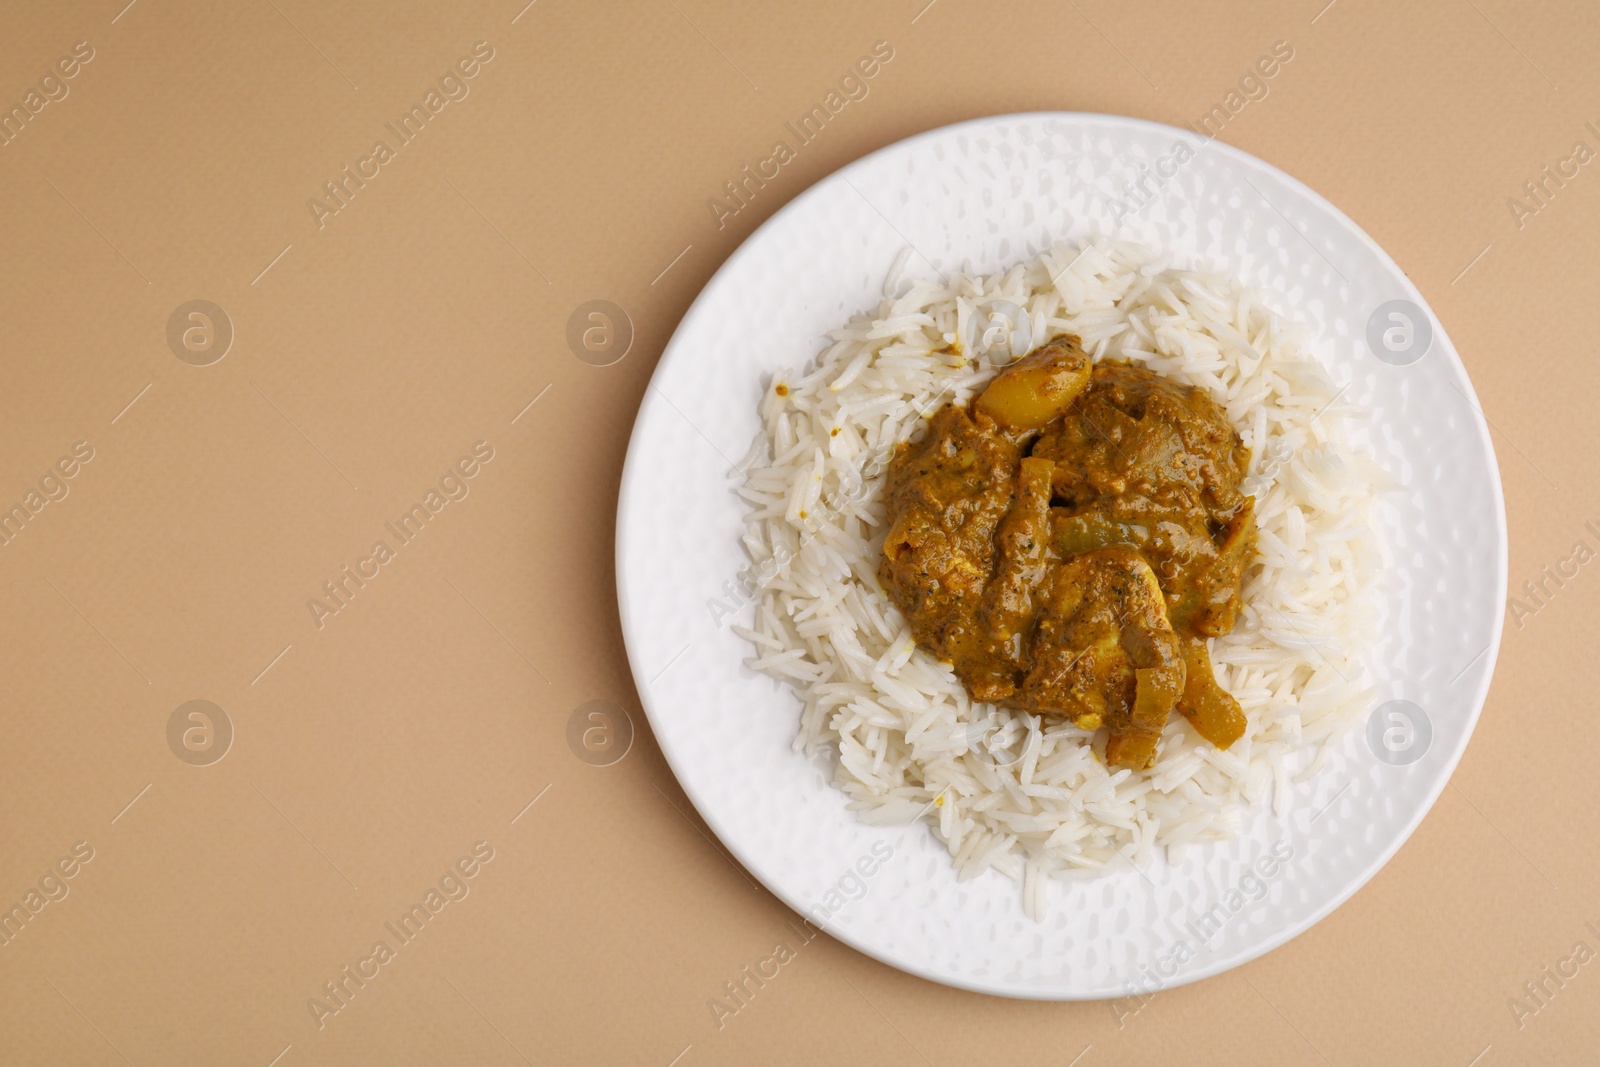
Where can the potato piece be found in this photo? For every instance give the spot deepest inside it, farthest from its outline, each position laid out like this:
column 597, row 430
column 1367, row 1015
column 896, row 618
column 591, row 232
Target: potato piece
column 1038, row 387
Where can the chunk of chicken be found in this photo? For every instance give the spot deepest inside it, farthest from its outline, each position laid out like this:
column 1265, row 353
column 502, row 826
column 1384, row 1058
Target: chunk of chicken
column 947, row 495
column 1104, row 653
column 1014, row 595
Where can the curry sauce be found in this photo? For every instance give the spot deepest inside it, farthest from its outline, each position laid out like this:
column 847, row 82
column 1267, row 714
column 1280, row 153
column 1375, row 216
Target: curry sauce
column 1070, row 541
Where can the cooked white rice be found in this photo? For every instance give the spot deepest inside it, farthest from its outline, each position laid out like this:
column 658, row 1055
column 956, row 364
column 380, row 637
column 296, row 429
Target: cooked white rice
column 1001, row 788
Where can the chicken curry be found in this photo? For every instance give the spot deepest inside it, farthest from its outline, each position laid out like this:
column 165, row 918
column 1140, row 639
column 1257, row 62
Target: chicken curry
column 1070, row 541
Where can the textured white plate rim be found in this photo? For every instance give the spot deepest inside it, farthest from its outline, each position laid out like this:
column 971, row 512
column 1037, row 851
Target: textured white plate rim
column 629, row 620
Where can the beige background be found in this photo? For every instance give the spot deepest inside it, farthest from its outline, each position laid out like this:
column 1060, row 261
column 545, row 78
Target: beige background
column 369, row 355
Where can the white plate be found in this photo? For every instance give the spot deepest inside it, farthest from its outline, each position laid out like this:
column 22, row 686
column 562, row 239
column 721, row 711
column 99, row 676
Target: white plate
column 980, row 196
